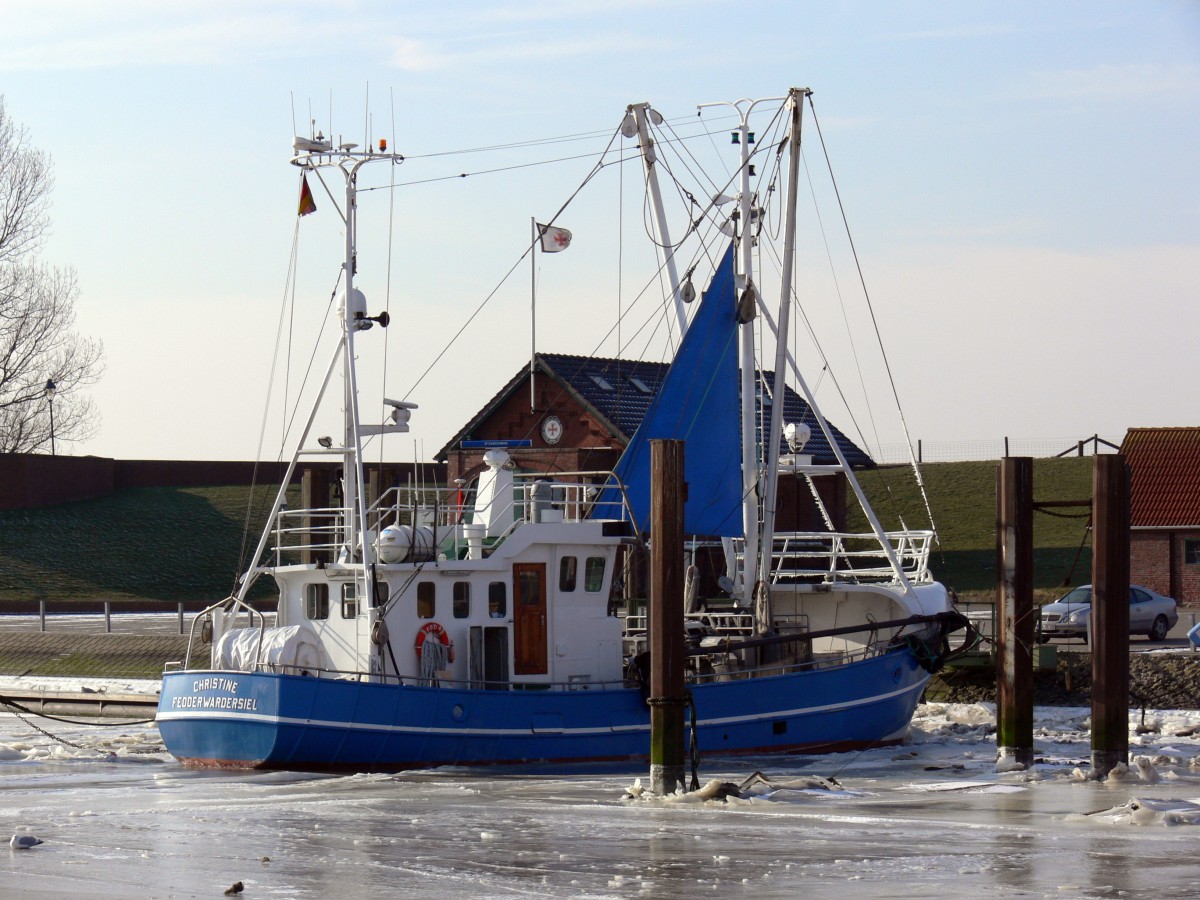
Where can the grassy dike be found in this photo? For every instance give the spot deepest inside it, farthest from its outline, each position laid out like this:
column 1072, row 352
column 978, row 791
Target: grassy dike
column 172, row 544
column 143, row 544
column 962, row 497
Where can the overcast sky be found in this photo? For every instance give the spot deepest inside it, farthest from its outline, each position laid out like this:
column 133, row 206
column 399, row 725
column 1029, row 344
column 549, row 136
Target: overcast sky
column 1021, row 180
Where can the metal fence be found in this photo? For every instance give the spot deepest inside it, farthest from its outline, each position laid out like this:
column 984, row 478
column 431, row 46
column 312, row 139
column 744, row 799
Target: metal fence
column 994, row 448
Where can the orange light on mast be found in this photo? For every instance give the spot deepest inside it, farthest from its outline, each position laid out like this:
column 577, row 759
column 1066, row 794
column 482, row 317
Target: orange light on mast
column 383, row 145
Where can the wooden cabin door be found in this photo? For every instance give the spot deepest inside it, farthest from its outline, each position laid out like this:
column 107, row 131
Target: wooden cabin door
column 529, row 619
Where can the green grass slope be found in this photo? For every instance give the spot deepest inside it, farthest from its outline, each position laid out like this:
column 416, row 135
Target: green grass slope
column 962, row 497
column 172, row 544
column 166, row 544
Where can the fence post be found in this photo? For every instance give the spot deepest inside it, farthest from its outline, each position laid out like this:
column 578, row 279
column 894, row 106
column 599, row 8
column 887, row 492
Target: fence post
column 181, row 631
column 42, row 614
column 107, row 617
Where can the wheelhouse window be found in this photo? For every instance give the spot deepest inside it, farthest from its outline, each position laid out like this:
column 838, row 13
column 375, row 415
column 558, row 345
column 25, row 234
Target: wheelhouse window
column 1191, row 552
column 462, row 599
column 593, row 578
column 426, row 600
column 497, row 599
column 566, row 573
column 349, row 601
column 316, row 601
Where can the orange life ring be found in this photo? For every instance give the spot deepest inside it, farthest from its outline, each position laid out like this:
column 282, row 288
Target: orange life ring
column 433, row 628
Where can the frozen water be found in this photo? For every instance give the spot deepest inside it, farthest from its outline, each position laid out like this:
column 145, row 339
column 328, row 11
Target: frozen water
column 926, row 819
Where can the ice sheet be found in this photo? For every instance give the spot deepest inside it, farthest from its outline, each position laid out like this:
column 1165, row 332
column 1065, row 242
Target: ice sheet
column 930, row 818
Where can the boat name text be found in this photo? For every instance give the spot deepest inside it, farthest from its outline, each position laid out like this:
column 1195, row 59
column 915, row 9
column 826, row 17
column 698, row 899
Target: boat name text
column 247, row 703
column 215, row 684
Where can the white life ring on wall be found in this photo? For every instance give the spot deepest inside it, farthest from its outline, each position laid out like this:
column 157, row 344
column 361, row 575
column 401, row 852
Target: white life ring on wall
column 437, row 631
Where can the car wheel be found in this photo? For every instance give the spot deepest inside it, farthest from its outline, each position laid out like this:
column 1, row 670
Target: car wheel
column 1043, row 638
column 1158, row 631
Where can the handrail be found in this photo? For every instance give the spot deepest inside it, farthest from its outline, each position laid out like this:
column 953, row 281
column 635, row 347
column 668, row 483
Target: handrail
column 319, row 529
column 841, row 555
column 262, row 627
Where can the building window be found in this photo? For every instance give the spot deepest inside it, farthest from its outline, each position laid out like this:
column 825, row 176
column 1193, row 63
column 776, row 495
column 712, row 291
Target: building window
column 349, row 601
column 1191, row 552
column 316, row 601
column 497, row 600
column 593, row 578
column 640, row 385
column 462, row 599
column 426, row 599
column 601, row 382
column 566, row 573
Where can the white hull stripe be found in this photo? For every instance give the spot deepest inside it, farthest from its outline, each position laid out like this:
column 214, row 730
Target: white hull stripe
column 180, row 715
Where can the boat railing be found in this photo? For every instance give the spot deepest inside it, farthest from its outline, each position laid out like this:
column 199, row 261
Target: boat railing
column 229, row 606
column 736, row 624
column 822, row 556
column 315, row 535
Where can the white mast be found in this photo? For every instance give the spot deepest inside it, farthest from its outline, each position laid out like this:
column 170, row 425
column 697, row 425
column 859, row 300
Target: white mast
column 796, row 108
column 640, row 112
column 313, row 155
column 750, row 454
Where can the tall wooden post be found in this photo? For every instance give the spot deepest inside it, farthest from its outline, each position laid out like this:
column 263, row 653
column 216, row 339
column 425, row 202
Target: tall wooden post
column 1014, row 610
column 1110, row 614
column 668, row 697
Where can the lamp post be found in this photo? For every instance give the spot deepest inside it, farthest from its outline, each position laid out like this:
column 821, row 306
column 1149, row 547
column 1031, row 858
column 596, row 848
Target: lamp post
column 50, row 388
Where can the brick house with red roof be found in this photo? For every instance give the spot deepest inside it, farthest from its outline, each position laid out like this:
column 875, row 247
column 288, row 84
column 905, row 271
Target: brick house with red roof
column 1164, row 552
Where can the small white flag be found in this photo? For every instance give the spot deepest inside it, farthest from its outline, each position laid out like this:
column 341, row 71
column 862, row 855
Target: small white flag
column 554, row 239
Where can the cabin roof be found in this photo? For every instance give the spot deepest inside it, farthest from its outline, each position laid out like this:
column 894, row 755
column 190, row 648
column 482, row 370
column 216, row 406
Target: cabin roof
column 618, row 392
column 1164, row 466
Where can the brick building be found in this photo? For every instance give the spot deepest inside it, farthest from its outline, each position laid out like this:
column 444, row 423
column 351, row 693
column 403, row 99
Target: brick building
column 1164, row 467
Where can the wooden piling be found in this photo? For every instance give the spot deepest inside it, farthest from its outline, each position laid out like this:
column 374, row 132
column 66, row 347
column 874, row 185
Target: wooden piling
column 1014, row 610
column 1110, row 614
column 668, row 698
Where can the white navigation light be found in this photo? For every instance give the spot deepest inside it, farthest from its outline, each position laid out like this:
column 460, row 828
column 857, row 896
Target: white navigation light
column 796, row 434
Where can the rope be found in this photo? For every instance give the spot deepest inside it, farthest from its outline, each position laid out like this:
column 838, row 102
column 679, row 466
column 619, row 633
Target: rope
column 18, row 708
column 435, row 656
column 694, row 748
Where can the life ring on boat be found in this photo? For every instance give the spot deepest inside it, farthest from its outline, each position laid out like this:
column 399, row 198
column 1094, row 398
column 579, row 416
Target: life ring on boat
column 437, row 631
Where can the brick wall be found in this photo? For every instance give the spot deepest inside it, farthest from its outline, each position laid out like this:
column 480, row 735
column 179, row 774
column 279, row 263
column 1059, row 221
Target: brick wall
column 32, row 480
column 1150, row 558
column 28, row 480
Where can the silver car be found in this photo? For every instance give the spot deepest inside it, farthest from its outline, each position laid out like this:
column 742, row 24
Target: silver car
column 1150, row 613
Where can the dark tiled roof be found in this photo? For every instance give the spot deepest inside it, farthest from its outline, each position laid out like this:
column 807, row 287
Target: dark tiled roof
column 611, row 387
column 620, row 391
column 1164, row 466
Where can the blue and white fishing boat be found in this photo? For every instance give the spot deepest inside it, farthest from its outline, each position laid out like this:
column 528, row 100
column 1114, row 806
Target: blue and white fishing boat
column 485, row 627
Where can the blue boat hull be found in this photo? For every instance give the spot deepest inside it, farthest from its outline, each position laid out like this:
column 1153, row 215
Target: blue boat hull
column 267, row 720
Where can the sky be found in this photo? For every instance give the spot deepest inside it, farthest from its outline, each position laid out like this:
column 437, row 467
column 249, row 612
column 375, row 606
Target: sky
column 1020, row 181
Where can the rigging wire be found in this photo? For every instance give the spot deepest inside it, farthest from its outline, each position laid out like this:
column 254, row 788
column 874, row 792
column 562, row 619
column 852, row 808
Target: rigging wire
column 597, row 168
column 289, row 290
column 387, row 294
column 875, row 323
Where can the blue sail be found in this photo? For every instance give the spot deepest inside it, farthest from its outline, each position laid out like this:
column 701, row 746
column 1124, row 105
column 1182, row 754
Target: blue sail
column 697, row 404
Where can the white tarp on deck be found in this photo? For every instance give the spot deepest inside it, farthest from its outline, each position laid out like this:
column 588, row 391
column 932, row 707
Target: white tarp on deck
column 289, row 648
